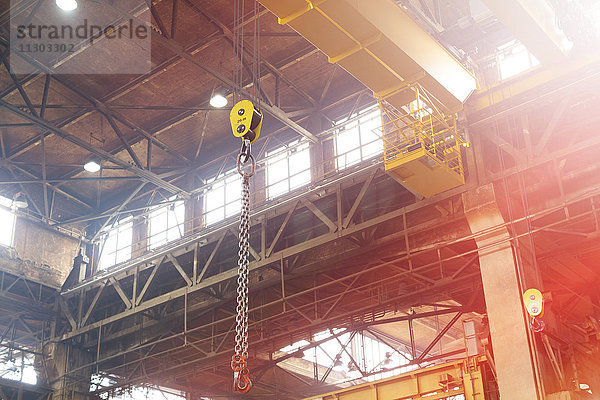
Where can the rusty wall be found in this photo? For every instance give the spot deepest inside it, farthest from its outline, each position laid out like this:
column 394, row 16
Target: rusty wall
column 40, row 254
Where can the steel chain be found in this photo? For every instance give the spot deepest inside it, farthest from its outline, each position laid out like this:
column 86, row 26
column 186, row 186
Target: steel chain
column 241, row 379
column 241, row 338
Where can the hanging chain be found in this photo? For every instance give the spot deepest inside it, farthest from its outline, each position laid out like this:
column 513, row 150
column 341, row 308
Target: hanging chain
column 241, row 374
column 241, row 378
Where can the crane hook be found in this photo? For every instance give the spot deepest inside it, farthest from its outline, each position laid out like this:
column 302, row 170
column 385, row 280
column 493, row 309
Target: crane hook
column 241, row 374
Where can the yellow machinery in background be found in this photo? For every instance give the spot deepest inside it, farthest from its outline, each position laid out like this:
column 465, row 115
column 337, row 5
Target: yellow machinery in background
column 385, row 49
column 381, row 45
column 422, row 146
column 444, row 381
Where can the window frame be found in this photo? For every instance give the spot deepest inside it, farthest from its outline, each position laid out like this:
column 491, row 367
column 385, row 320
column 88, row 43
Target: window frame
column 286, row 153
column 171, row 209
column 367, row 350
column 6, row 209
column 118, row 228
column 225, row 180
column 512, row 50
column 354, row 122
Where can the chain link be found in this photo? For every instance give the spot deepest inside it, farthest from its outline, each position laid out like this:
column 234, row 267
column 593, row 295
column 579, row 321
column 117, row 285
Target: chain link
column 238, row 363
column 241, row 330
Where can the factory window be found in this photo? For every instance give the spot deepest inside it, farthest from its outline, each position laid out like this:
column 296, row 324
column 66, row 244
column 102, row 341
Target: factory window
column 368, row 354
column 514, row 58
column 166, row 222
column 7, row 220
column 116, row 247
column 288, row 168
column 359, row 139
column 17, row 366
column 222, row 199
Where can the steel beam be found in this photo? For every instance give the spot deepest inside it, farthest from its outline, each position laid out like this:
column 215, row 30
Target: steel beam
column 226, row 275
column 144, row 174
column 19, row 86
column 274, row 111
column 536, row 25
column 314, row 325
column 123, row 140
column 108, row 112
column 287, row 253
column 304, row 308
column 548, row 83
column 53, row 187
column 229, row 155
column 381, row 46
column 82, row 179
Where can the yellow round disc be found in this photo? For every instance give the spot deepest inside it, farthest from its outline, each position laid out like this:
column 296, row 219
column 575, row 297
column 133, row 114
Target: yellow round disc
column 534, row 302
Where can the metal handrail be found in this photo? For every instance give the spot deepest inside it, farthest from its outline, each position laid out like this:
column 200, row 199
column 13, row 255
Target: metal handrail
column 419, row 126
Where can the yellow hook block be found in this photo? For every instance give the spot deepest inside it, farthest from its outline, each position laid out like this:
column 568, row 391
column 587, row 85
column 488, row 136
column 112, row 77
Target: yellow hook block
column 534, row 302
column 246, row 120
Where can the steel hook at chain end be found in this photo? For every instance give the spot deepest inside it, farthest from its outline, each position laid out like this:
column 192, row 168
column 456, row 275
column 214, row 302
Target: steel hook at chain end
column 241, row 380
column 241, row 374
column 537, row 325
column 241, row 383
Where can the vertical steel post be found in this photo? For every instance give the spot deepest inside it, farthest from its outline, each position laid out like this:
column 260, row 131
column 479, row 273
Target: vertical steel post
column 413, row 350
column 513, row 352
column 98, row 348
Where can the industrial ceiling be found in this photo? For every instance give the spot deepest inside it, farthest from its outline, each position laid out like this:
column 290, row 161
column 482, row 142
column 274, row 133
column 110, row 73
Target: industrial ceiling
column 156, row 135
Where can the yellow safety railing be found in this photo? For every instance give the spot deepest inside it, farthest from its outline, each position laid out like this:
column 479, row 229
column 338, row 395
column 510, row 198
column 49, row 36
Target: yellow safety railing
column 419, row 126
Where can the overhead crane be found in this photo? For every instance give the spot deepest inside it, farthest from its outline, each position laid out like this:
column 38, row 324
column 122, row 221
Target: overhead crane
column 445, row 381
column 407, row 70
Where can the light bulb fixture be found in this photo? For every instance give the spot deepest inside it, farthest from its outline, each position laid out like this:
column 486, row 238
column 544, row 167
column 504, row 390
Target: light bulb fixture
column 20, row 201
column 91, row 166
column 298, row 354
column 337, row 363
column 388, row 358
column 351, row 366
column 218, row 101
column 66, row 5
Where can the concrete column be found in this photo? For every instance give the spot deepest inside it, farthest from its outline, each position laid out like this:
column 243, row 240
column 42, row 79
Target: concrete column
column 322, row 153
column 316, row 161
column 140, row 236
column 329, row 166
column 60, row 360
column 258, row 188
column 194, row 208
column 316, row 150
column 508, row 324
column 194, row 214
